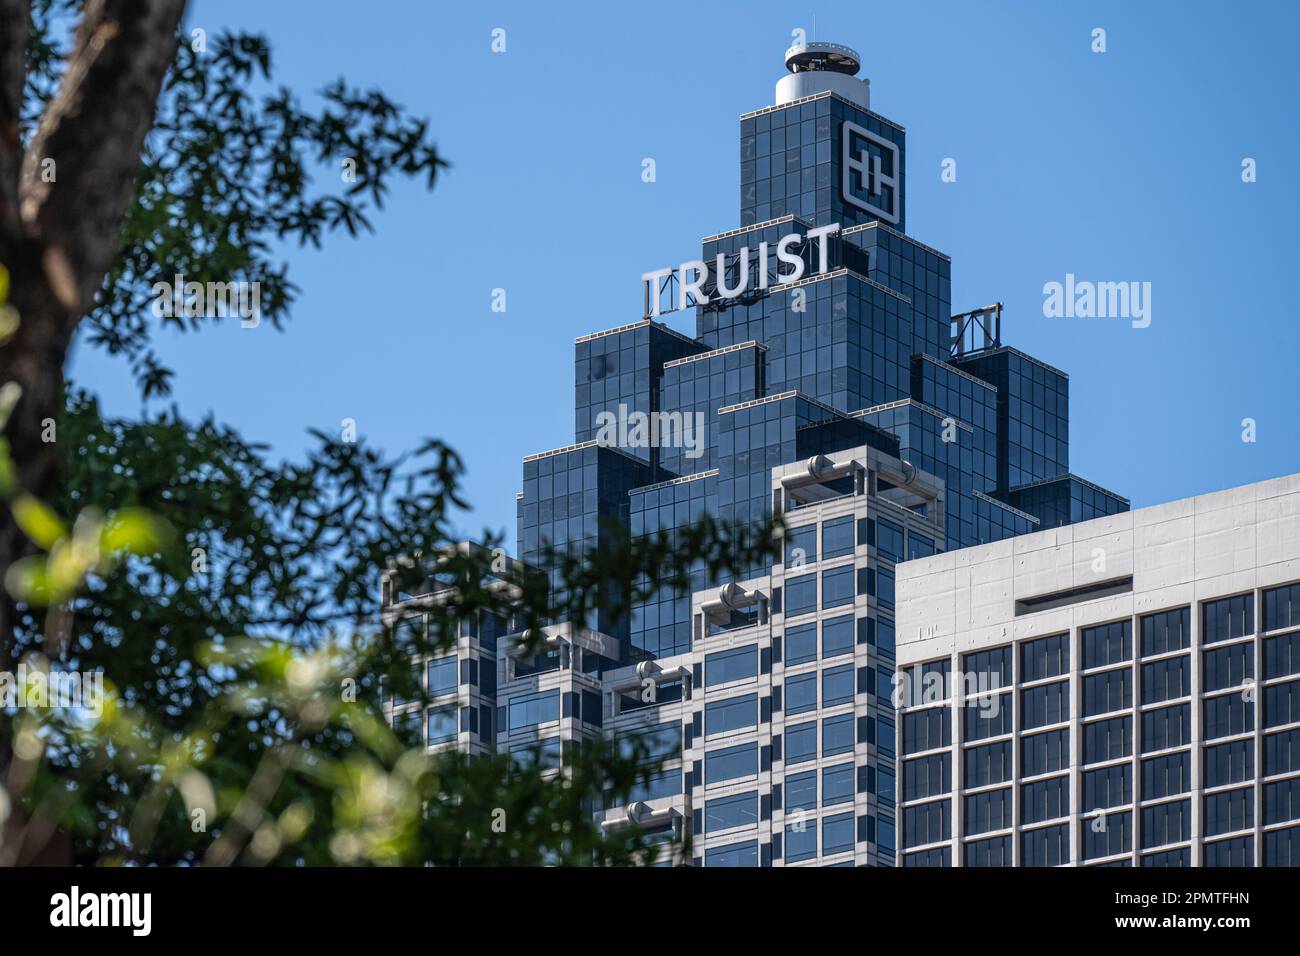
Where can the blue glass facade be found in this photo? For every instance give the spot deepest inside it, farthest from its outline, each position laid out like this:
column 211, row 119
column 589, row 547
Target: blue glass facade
column 859, row 352
column 825, row 380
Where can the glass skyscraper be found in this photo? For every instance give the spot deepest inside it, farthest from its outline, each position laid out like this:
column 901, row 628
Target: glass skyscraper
column 827, row 380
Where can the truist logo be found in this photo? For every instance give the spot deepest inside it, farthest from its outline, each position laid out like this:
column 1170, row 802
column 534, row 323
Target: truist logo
column 871, row 166
column 690, row 279
column 77, row 909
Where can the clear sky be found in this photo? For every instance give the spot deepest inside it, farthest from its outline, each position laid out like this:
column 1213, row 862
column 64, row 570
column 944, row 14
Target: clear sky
column 1115, row 166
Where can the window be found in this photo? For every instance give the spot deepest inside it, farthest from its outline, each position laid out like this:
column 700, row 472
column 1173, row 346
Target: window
column 990, row 810
column 1228, row 666
column 991, row 669
column 1231, row 763
column 885, row 588
column 1048, row 704
column 725, row 666
column 663, row 783
column 837, row 834
column 1166, row 823
column 800, row 546
column 1282, row 752
column 409, row 728
column 800, row 644
column 1107, row 644
column 988, row 764
column 801, row 791
column 837, row 784
column 1281, row 801
column 800, row 841
column 1048, row 846
column 1226, row 812
column 1239, row 851
column 919, row 546
column 837, row 537
column 986, row 717
column 442, row 676
column 1181, row 857
column 1108, row 787
column 1282, row 704
column 1045, row 800
column 1045, row 753
column 1107, row 691
column 1045, row 657
column 927, row 823
column 1226, row 619
column 800, row 595
column 1227, row 715
column 889, row 540
column 1167, row 679
column 1282, row 607
column 927, row 776
column 731, row 763
column 867, row 531
column 1108, row 739
column 837, row 735
column 725, row 813
column 1282, row 847
column 1166, row 631
column 1166, row 776
column 734, row 854
column 534, row 709
column 731, row 714
column 442, row 724
column 661, row 741
column 837, row 685
column 837, row 587
column 927, row 729
column 1166, row 727
column 1282, row 655
column 837, row 636
column 801, row 743
column 991, row 852
column 537, row 754
column 1115, row 835
column 801, row 694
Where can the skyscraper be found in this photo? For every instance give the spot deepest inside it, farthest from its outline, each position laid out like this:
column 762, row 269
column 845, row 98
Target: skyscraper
column 827, row 380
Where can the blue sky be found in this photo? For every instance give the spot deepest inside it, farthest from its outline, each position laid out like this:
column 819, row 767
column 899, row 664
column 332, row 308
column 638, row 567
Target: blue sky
column 1121, row 166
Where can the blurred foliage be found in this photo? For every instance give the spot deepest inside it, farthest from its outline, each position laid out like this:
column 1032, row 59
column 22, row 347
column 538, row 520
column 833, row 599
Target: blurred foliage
column 234, row 166
column 230, row 602
column 243, row 686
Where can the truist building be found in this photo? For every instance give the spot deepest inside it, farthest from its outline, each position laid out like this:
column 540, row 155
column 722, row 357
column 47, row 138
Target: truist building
column 827, row 380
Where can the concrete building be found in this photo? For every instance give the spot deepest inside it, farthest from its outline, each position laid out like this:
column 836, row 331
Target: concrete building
column 1123, row 691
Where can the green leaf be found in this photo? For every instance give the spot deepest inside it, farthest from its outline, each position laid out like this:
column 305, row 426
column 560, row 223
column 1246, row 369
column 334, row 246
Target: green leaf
column 134, row 530
column 38, row 521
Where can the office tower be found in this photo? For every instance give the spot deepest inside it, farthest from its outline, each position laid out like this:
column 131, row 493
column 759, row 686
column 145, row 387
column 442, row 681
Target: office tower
column 827, row 380
column 1120, row 692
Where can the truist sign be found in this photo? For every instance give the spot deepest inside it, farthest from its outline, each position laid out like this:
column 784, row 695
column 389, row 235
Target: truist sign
column 692, row 277
column 865, row 165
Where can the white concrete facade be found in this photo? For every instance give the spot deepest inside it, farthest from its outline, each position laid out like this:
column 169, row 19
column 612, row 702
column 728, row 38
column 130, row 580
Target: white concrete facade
column 1242, row 543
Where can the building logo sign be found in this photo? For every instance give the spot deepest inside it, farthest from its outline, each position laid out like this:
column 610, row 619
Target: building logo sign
column 860, row 161
column 689, row 284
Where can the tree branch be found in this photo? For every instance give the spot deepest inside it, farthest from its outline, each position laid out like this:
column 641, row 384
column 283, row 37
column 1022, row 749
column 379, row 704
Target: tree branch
column 94, row 130
column 13, row 48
